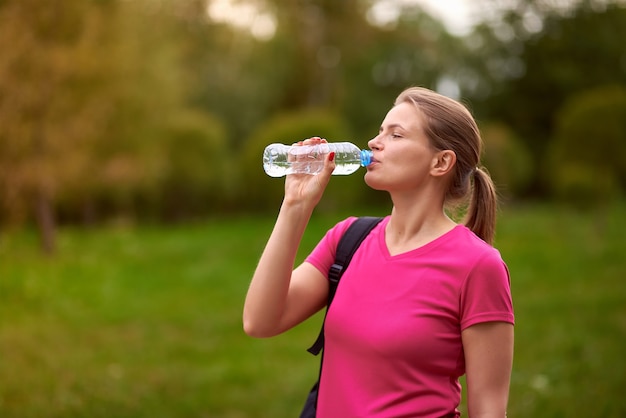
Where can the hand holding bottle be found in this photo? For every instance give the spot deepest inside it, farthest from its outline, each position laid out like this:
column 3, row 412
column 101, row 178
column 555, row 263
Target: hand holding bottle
column 304, row 188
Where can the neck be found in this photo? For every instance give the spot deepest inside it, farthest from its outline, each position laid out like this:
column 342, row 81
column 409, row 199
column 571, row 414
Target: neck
column 416, row 221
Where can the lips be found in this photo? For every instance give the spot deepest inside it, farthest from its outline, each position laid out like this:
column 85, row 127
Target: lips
column 372, row 164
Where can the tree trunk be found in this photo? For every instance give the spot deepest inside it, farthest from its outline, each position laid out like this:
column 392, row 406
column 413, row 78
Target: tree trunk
column 44, row 214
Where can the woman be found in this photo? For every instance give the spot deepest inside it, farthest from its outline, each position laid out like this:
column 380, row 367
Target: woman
column 425, row 300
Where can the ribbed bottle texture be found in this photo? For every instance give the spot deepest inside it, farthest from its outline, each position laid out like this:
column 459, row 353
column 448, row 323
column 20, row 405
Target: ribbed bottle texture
column 280, row 160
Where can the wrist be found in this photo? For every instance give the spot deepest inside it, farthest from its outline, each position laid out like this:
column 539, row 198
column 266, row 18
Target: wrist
column 297, row 206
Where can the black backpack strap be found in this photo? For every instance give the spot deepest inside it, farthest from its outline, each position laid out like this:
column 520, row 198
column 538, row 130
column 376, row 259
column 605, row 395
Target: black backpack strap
column 348, row 244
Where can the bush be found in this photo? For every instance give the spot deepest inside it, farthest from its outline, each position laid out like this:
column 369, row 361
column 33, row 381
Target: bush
column 507, row 159
column 196, row 177
column 584, row 186
column 588, row 154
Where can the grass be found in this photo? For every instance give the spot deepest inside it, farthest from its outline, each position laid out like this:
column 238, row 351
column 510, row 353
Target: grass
column 145, row 322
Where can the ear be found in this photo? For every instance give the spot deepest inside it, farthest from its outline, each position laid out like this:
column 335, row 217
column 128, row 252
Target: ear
column 443, row 162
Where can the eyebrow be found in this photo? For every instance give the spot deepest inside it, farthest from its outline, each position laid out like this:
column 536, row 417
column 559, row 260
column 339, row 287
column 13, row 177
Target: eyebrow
column 392, row 126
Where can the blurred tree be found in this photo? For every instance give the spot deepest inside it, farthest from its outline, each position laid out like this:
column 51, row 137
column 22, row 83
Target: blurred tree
column 83, row 88
column 535, row 56
column 197, row 172
column 506, row 158
column 411, row 49
column 319, row 37
column 50, row 112
column 235, row 72
column 588, row 154
column 146, row 90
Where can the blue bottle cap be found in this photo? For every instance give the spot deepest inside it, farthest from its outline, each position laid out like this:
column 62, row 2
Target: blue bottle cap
column 366, row 157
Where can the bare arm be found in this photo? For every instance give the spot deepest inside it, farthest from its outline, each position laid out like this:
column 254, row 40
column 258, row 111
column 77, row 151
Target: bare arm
column 280, row 297
column 488, row 359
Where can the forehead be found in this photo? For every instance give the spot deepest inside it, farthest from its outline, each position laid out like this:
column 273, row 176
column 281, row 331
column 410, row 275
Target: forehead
column 406, row 115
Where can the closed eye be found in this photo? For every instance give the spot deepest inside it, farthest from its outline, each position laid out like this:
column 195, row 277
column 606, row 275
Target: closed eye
column 392, row 131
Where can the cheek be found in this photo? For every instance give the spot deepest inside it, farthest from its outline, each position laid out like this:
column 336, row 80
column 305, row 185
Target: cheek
column 410, row 163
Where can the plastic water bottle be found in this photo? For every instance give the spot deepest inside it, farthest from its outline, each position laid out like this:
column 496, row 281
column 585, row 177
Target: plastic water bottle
column 280, row 160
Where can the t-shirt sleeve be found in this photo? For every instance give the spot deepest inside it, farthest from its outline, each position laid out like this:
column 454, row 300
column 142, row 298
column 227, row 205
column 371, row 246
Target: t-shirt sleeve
column 323, row 255
column 486, row 292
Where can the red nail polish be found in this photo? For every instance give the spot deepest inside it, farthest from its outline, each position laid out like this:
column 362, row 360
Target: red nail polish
column 331, row 156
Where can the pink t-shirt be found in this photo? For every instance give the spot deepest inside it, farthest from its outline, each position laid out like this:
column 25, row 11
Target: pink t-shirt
column 393, row 333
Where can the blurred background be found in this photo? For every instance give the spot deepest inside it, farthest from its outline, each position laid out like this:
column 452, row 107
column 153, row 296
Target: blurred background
column 159, row 109
column 128, row 126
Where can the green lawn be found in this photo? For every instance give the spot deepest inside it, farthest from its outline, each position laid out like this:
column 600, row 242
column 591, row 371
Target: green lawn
column 146, row 322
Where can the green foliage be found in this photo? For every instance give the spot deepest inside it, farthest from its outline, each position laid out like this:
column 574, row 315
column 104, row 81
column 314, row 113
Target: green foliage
column 197, row 167
column 263, row 192
column 51, row 111
column 382, row 61
column 147, row 93
column 533, row 73
column 233, row 76
column 93, row 99
column 88, row 85
column 588, row 156
column 506, row 158
column 146, row 323
column 584, row 186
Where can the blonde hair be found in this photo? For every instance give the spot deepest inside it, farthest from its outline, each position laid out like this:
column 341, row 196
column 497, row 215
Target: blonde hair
column 449, row 125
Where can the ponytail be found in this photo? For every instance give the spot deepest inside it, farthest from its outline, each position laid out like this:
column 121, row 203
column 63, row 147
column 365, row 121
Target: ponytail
column 483, row 206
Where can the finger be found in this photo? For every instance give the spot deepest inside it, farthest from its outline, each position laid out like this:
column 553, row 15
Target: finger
column 312, row 141
column 329, row 164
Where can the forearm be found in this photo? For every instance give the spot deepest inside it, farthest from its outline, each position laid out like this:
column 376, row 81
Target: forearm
column 267, row 295
column 277, row 298
column 489, row 403
column 489, row 360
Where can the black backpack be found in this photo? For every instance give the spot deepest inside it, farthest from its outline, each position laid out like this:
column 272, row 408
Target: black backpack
column 348, row 244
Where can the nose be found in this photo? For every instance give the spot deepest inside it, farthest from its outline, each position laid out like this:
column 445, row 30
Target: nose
column 374, row 143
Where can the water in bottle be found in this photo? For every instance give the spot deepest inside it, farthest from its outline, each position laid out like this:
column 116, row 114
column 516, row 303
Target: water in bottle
column 280, row 160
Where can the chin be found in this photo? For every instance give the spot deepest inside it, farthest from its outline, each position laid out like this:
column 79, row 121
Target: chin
column 374, row 183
